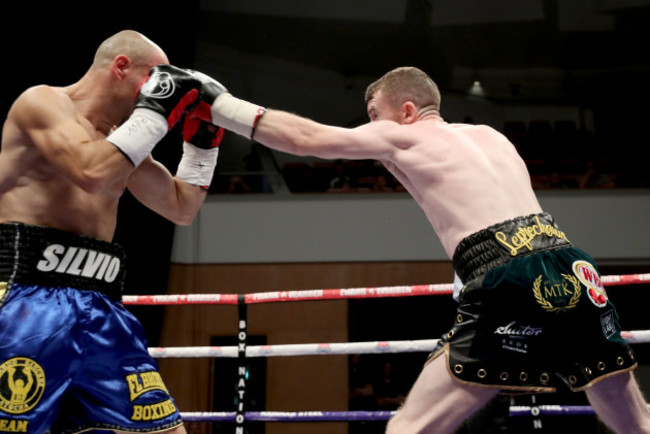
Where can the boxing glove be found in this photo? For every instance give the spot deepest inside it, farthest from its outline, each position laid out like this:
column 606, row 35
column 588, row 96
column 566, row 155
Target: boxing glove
column 169, row 91
column 201, row 134
column 231, row 113
column 160, row 102
column 201, row 141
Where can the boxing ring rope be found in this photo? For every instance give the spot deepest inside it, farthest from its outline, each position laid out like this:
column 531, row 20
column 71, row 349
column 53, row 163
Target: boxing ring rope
column 376, row 347
column 332, row 294
column 243, row 351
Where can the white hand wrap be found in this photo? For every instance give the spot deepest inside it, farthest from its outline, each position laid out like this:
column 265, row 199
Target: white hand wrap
column 197, row 165
column 236, row 115
column 137, row 137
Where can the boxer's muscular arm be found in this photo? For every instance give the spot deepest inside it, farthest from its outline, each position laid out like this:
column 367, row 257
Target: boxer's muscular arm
column 294, row 134
column 50, row 123
column 301, row 136
column 178, row 198
column 155, row 187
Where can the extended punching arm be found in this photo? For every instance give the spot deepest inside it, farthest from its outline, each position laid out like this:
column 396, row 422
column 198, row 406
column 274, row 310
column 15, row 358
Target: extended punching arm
column 219, row 107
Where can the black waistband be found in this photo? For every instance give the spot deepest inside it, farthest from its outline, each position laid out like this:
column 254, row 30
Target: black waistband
column 38, row 255
column 498, row 244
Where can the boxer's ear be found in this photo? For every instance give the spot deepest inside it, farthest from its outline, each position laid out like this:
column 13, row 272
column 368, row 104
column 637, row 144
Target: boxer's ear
column 408, row 112
column 120, row 64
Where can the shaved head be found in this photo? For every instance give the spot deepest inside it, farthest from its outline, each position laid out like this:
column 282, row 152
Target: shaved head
column 140, row 49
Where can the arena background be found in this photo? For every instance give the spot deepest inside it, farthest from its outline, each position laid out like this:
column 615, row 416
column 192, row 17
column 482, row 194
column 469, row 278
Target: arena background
column 583, row 60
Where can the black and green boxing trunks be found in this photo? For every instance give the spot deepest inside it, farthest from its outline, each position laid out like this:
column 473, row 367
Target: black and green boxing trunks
column 533, row 314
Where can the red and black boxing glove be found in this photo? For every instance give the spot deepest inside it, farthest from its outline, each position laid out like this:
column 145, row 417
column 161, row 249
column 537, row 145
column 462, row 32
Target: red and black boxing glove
column 201, row 132
column 169, row 91
column 160, row 103
column 201, row 141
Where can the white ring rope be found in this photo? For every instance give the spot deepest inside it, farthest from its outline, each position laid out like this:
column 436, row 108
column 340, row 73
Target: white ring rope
column 376, row 347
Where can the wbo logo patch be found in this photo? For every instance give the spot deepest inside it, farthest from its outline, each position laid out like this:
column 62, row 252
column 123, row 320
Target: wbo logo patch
column 22, row 382
column 591, row 279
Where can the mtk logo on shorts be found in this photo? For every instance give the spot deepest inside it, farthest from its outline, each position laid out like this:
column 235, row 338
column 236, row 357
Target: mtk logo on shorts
column 557, row 296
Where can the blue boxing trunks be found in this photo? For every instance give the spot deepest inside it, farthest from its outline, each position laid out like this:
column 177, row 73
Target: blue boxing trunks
column 72, row 358
column 533, row 315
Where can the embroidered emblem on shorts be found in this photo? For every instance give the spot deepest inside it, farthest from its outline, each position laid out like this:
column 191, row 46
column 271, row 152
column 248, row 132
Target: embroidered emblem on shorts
column 516, row 336
column 517, row 344
column 608, row 324
column 143, row 382
column 151, row 412
column 514, row 329
column 14, row 425
column 557, row 296
column 526, row 237
column 590, row 278
column 22, row 382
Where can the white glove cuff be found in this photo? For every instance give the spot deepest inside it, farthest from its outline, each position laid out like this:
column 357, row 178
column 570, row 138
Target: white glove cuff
column 197, row 165
column 236, row 115
column 139, row 134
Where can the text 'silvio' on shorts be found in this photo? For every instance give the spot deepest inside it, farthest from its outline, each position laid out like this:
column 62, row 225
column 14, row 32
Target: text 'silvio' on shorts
column 72, row 358
column 533, row 313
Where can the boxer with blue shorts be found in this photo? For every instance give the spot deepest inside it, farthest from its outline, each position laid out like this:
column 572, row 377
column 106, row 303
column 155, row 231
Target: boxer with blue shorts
column 71, row 356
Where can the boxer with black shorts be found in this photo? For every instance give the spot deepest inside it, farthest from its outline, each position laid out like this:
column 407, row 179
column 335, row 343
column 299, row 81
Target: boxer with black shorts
column 72, row 358
column 530, row 293
column 525, row 284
